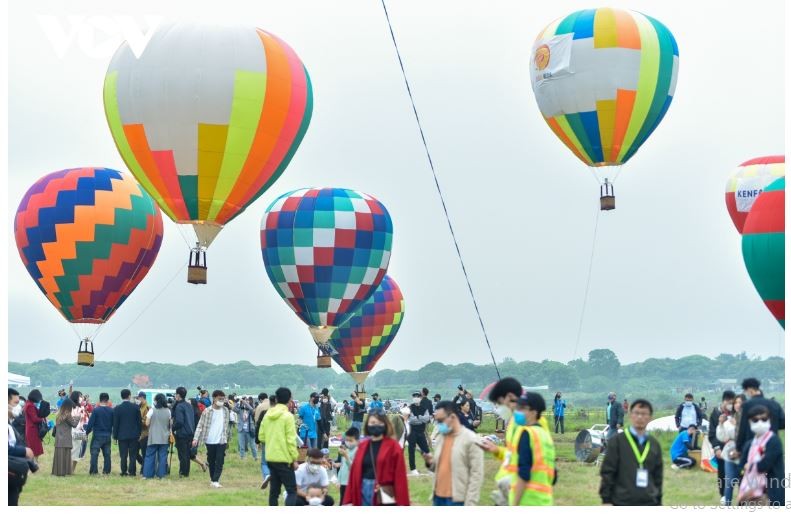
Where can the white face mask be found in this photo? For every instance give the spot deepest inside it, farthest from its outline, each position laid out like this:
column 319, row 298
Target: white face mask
column 416, row 400
column 504, row 412
column 16, row 410
column 313, row 468
column 219, row 404
column 729, row 407
column 687, row 403
column 760, row 427
column 314, row 501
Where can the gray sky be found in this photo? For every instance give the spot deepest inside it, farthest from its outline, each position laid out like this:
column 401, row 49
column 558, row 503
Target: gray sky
column 668, row 275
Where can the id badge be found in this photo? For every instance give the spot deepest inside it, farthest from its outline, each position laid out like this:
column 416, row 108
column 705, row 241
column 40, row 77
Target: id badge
column 642, row 478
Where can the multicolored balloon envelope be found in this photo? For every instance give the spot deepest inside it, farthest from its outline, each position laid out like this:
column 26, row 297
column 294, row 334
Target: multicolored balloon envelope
column 326, row 250
column 763, row 247
column 364, row 338
column 87, row 236
column 747, row 182
column 604, row 79
column 207, row 118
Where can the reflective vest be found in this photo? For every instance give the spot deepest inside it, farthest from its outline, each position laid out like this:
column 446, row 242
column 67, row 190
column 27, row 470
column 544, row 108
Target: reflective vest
column 538, row 491
column 504, row 453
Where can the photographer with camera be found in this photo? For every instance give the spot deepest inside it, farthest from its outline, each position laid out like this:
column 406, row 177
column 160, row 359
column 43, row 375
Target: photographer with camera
column 358, row 411
column 20, row 458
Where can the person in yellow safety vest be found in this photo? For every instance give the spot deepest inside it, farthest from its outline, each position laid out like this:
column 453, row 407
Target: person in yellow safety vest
column 532, row 459
column 505, row 394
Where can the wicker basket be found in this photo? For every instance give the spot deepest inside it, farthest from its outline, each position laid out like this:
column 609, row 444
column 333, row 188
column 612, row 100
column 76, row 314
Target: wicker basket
column 607, row 202
column 196, row 274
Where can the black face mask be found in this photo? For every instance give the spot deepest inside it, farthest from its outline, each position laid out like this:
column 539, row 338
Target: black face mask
column 376, row 430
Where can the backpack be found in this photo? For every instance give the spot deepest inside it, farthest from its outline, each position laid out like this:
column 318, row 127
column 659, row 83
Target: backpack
column 19, row 425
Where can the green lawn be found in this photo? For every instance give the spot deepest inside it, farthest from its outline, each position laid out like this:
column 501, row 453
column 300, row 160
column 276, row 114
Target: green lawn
column 577, row 483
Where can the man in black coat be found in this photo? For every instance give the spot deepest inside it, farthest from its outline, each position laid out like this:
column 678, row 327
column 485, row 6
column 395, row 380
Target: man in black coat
column 127, row 424
column 613, row 415
column 183, row 429
column 777, row 417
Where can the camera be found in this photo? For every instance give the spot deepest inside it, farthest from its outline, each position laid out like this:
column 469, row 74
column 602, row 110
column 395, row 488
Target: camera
column 461, row 388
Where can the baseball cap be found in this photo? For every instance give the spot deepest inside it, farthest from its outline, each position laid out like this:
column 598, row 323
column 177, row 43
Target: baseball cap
column 141, row 395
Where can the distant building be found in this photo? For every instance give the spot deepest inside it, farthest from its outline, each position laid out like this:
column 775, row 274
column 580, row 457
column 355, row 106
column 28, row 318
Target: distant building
column 727, row 384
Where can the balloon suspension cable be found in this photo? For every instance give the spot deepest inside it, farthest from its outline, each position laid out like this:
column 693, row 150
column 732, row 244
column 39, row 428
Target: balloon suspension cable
column 439, row 190
column 587, row 284
column 99, row 355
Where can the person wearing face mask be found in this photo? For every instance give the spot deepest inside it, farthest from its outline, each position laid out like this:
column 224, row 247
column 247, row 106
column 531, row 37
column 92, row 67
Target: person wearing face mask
column 722, row 411
column 79, row 437
column 326, row 409
column 458, row 460
column 375, row 403
column 531, row 455
column 687, row 414
column 614, row 414
column 142, row 403
column 18, row 454
column 346, row 455
column 378, row 475
column 357, row 410
column 308, row 413
column 183, row 430
column 212, row 430
column 401, row 426
column 777, row 417
column 504, row 394
column 419, row 418
column 312, row 473
column 33, row 419
column 726, row 434
column 762, row 461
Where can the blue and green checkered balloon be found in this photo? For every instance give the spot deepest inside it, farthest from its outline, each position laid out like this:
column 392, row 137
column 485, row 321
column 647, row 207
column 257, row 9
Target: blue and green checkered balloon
column 326, row 250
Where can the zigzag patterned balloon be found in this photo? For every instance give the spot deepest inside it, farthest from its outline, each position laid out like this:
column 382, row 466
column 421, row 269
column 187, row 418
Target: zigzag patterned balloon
column 87, row 236
column 326, row 250
column 363, row 339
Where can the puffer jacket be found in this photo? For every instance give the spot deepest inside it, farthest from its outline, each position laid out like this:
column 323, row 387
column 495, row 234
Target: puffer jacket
column 278, row 432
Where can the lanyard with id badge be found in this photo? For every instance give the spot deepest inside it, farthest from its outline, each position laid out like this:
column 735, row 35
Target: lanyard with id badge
column 642, row 474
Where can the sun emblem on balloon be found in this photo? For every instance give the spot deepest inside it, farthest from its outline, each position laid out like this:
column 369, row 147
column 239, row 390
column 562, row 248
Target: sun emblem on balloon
column 542, row 57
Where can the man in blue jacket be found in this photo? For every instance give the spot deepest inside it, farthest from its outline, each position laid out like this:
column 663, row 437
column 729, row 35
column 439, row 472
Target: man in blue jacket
column 183, row 429
column 101, row 425
column 127, row 425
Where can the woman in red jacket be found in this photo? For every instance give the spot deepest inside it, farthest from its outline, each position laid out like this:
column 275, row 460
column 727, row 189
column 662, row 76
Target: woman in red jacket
column 378, row 466
column 32, row 421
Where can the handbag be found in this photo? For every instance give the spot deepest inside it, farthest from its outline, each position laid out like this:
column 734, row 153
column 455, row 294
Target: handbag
column 17, row 471
column 752, row 489
column 385, row 494
column 79, row 435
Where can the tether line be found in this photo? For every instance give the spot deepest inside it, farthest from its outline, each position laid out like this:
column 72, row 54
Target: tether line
column 587, row 284
column 439, row 190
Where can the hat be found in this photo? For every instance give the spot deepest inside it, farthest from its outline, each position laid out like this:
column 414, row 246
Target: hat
column 141, row 394
column 417, row 394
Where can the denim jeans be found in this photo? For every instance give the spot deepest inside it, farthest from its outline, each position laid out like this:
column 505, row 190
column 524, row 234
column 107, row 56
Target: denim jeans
column 731, row 480
column 245, row 441
column 359, row 425
column 368, row 491
column 100, row 442
column 264, row 467
column 156, row 460
column 446, row 501
column 312, row 442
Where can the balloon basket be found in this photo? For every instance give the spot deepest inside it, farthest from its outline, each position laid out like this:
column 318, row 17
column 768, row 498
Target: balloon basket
column 85, row 356
column 607, row 194
column 197, row 271
column 360, row 390
column 323, row 362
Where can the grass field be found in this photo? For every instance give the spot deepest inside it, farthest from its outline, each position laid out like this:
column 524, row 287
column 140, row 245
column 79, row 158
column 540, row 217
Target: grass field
column 577, row 485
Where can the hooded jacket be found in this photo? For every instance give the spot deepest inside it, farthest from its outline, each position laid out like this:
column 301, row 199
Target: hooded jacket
column 279, row 434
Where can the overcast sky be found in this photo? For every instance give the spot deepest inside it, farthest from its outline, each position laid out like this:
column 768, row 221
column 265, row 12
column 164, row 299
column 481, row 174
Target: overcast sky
column 668, row 275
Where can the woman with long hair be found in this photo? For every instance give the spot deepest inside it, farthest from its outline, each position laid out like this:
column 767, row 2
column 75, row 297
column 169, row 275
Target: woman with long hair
column 79, row 438
column 726, row 433
column 142, row 403
column 378, row 473
column 32, row 421
column 64, row 422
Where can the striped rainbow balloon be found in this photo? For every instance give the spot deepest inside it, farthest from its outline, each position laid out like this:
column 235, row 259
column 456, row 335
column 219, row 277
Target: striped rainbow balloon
column 207, row 118
column 604, row 79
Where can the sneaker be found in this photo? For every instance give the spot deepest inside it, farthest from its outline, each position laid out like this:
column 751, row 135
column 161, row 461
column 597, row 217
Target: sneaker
column 215, row 484
column 674, row 466
column 722, row 501
column 414, row 473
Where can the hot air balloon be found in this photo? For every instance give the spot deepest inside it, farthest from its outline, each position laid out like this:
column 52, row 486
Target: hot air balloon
column 207, row 118
column 87, row 236
column 763, row 247
column 326, row 250
column 747, row 182
column 364, row 338
column 603, row 80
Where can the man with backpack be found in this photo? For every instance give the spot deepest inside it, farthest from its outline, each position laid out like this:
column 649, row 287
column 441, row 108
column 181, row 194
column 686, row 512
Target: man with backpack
column 260, row 412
